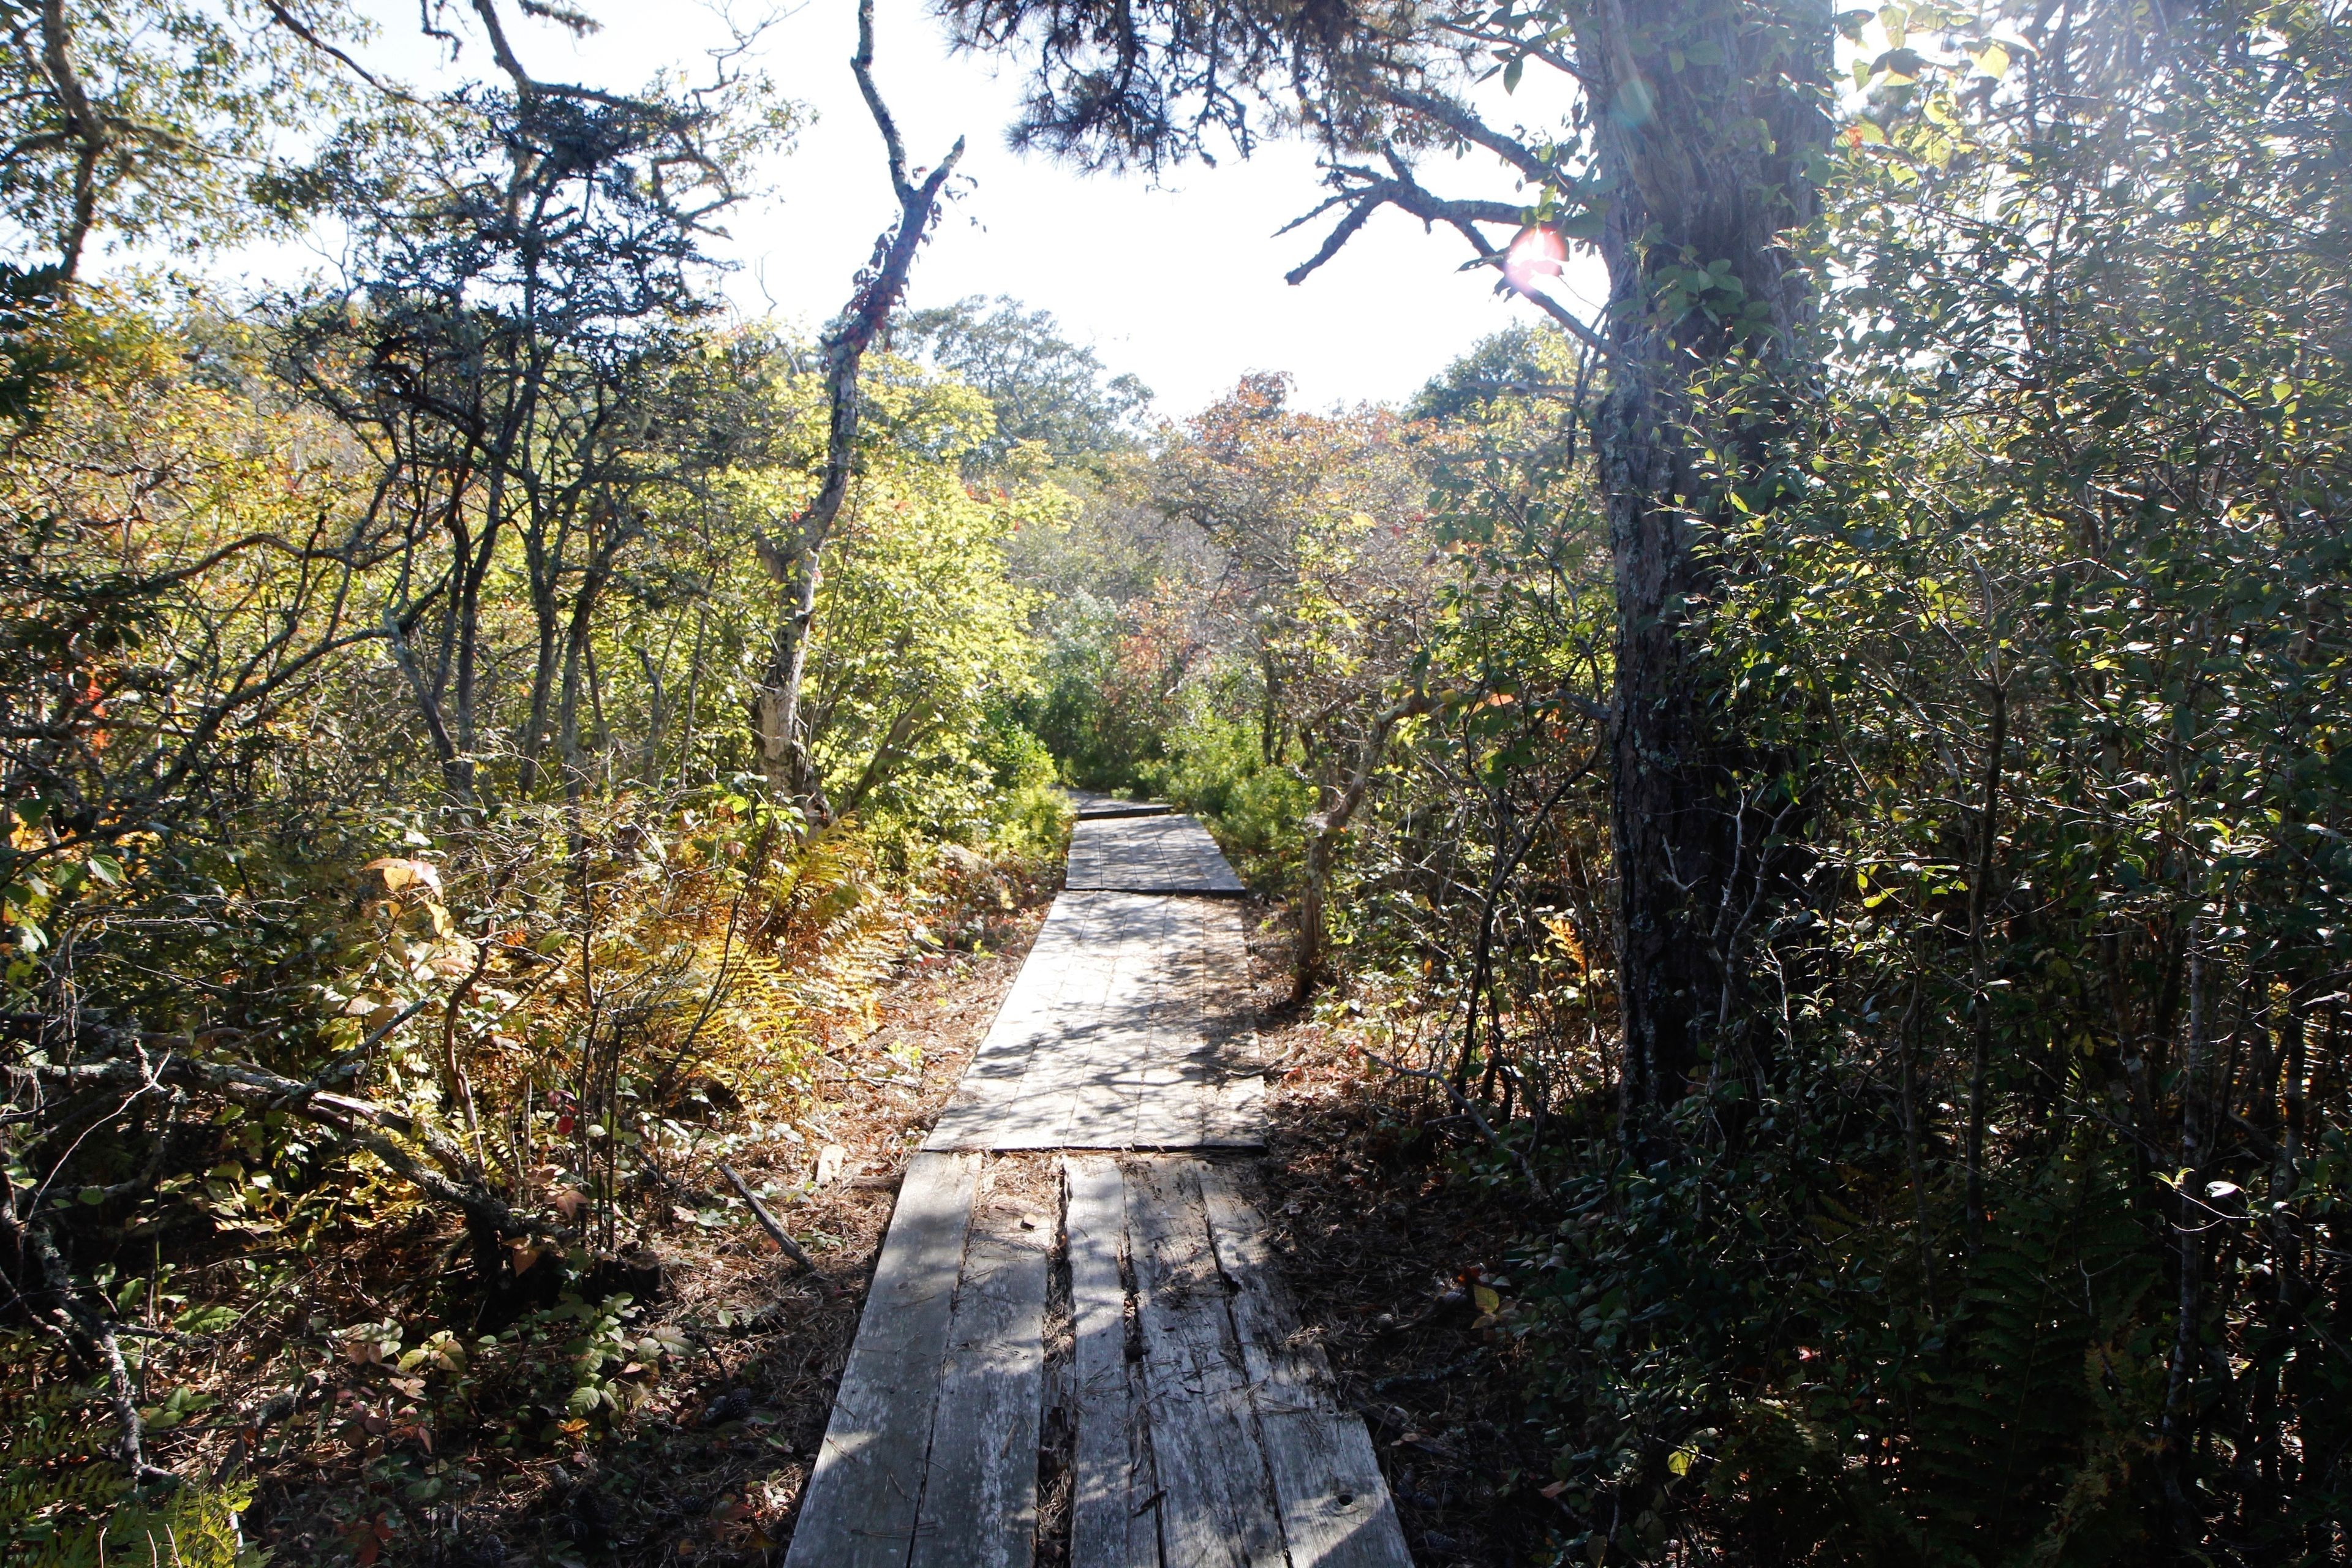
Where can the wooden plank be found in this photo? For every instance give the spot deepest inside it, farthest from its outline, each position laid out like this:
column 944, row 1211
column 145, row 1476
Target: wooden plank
column 1129, row 1027
column 980, row 1496
column 1088, row 804
column 860, row 1507
column 1335, row 1508
column 1082, row 1093
column 1051, row 982
column 1234, row 1113
column 1113, row 1523
column 1147, row 855
column 1216, row 1506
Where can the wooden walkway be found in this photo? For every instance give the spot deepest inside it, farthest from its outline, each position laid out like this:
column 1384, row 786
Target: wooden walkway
column 1147, row 855
column 1125, row 1030
column 1067, row 1333
column 1091, row 806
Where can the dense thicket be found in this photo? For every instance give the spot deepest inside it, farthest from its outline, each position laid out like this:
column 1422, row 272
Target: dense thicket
column 386, row 849
column 1998, row 1217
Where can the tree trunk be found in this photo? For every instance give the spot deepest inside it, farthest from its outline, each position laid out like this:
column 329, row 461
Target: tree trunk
column 799, row 562
column 1328, row 826
column 1699, row 275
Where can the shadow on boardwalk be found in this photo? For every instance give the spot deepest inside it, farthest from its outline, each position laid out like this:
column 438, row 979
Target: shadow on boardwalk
column 1076, row 1348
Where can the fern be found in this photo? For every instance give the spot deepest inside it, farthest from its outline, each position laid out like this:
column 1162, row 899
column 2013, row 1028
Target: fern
column 2027, row 1438
column 65, row 1503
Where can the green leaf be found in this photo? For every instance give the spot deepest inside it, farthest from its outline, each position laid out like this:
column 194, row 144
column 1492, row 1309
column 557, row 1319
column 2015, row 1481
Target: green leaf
column 1585, row 224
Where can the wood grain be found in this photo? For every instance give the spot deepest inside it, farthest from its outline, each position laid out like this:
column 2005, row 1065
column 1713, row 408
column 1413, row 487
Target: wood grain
column 859, row 1510
column 1216, row 1504
column 980, row 1495
column 1114, row 1522
column 1335, row 1508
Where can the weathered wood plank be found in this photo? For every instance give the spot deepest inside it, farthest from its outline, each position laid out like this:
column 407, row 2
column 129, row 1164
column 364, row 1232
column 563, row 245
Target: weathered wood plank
column 1216, row 1507
column 1335, row 1508
column 1063, row 976
column 1127, row 1028
column 980, row 1497
column 1234, row 1113
column 1112, row 1524
column 1088, row 804
column 1147, row 855
column 859, row 1510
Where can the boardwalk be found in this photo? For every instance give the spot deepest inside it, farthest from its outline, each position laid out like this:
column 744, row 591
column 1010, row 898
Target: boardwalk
column 1074, row 1327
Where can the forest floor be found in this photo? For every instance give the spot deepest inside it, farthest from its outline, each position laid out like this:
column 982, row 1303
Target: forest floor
column 1388, row 1231
column 727, row 1410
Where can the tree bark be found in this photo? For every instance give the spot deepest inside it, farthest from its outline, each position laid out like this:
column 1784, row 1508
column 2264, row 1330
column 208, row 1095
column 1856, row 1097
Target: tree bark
column 1708, row 169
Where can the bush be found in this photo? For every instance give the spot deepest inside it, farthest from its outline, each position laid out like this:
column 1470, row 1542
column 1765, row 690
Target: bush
column 1215, row 769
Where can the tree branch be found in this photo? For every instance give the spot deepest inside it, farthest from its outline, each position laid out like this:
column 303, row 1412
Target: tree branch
column 783, row 1238
column 799, row 562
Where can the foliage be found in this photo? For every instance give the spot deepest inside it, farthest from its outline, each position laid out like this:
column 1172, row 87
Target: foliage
column 159, row 122
column 1041, row 387
column 1993, row 1224
column 378, row 863
column 65, row 1503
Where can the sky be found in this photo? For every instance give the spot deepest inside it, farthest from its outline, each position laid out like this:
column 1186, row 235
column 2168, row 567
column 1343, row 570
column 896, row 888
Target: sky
column 1181, row 284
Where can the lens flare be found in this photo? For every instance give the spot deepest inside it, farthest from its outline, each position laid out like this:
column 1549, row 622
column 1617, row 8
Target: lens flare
column 1539, row 252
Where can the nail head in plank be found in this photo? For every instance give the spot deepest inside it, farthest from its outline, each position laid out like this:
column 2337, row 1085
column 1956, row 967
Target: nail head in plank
column 859, row 1510
column 1216, row 1506
column 980, row 1496
column 1335, row 1508
column 1112, row 1522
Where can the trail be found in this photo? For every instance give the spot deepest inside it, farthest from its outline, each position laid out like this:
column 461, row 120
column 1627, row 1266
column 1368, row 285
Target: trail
column 1074, row 1318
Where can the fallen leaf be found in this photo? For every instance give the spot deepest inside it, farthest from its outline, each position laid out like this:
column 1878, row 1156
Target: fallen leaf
column 1551, row 1493
column 829, row 1161
column 1488, row 1301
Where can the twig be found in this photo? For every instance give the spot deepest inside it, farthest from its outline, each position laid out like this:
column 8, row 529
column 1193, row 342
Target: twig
column 1534, row 1186
column 692, row 1195
column 96, row 1332
column 768, row 1222
column 1435, row 1374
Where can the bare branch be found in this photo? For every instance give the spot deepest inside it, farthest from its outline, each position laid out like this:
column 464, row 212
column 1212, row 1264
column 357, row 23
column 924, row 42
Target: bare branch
column 798, row 561
column 1457, row 118
column 529, row 86
column 861, row 65
column 769, row 1223
column 294, row 25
